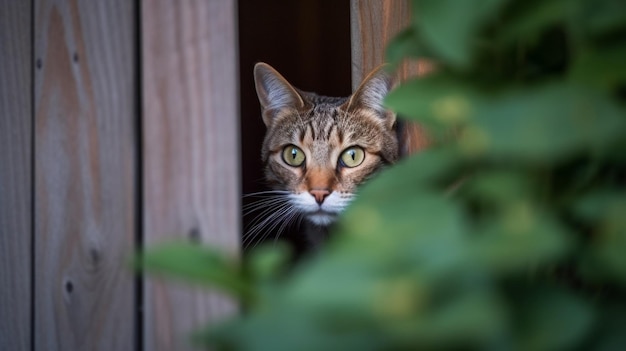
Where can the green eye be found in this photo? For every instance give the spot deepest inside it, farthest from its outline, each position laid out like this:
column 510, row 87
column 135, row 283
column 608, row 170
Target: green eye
column 352, row 157
column 293, row 156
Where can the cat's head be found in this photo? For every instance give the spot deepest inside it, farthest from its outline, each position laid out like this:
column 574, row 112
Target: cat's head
column 320, row 149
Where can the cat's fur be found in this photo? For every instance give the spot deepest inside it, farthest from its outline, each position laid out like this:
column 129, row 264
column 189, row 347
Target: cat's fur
column 322, row 128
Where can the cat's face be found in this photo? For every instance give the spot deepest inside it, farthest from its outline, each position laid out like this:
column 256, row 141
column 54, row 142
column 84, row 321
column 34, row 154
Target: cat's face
column 319, row 149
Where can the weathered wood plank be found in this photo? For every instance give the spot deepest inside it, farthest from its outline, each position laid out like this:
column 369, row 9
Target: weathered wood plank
column 191, row 151
column 85, row 145
column 374, row 23
column 15, row 174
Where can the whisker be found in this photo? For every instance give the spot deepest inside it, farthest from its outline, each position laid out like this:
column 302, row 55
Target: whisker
column 274, row 224
column 267, row 192
column 252, row 234
column 280, row 217
column 262, row 220
column 284, row 213
column 271, row 211
column 251, row 207
column 293, row 216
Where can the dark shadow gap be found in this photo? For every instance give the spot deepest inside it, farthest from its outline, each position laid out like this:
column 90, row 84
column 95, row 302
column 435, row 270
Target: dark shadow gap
column 33, row 248
column 139, row 206
column 308, row 42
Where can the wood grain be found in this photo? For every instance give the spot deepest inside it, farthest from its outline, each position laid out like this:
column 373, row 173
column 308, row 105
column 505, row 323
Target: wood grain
column 374, row 23
column 15, row 174
column 191, row 152
column 85, row 95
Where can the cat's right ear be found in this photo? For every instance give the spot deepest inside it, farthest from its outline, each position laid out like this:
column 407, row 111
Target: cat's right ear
column 371, row 94
column 274, row 92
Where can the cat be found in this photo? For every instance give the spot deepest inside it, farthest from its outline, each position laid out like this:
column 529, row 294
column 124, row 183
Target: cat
column 317, row 150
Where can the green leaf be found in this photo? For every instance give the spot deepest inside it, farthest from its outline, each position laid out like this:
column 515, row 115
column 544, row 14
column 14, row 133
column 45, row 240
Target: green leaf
column 438, row 102
column 405, row 44
column 425, row 230
column 552, row 319
column 288, row 327
column 450, row 26
column 518, row 239
column 405, row 219
column 599, row 205
column 498, row 186
column 546, row 123
column 354, row 289
column 266, row 262
column 601, row 16
column 472, row 319
column 603, row 68
column 530, row 18
column 419, row 171
column 605, row 256
column 193, row 263
column 610, row 326
column 402, row 193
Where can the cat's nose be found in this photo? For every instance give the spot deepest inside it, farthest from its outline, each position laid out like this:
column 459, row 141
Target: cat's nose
column 319, row 194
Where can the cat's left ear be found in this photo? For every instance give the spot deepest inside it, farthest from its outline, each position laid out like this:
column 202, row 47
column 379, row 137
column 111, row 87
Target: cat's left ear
column 274, row 92
column 371, row 93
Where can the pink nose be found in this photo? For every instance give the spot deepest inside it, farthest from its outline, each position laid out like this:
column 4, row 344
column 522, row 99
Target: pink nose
column 319, row 194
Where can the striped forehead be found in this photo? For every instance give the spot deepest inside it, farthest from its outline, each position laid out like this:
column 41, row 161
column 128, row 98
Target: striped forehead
column 324, row 126
column 321, row 125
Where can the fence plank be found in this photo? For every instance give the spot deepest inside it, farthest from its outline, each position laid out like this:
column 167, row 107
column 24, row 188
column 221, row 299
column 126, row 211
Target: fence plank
column 374, row 23
column 85, row 104
column 191, row 151
column 15, row 174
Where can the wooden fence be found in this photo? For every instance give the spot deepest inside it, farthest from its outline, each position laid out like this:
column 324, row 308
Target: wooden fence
column 119, row 129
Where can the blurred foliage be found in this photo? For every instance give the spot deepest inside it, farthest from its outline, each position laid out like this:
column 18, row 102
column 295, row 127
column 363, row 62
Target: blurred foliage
column 509, row 235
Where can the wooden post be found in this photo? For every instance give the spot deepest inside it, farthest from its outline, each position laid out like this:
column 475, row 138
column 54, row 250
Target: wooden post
column 85, row 116
column 374, row 23
column 15, row 174
column 191, row 152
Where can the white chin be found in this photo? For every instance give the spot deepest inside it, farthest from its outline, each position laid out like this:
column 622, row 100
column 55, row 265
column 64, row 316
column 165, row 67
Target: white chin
column 321, row 219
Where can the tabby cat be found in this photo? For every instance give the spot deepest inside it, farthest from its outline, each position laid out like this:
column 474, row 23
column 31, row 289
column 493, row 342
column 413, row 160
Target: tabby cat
column 317, row 149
